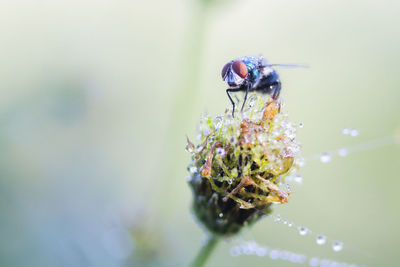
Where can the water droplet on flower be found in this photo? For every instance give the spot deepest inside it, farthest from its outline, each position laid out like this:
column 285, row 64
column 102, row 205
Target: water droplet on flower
column 301, row 163
column 288, row 188
column 321, row 239
column 343, row 152
column 277, row 218
column 325, row 157
column 193, row 169
column 220, row 151
column 285, row 222
column 302, row 230
column 337, row 246
column 290, row 224
column 221, row 215
column 346, row 131
column 354, row 132
column 189, row 148
column 262, row 138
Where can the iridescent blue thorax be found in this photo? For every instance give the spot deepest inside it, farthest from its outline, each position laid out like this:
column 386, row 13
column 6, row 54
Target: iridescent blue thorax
column 253, row 70
column 252, row 64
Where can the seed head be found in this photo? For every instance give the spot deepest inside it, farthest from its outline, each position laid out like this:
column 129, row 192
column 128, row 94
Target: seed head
column 240, row 164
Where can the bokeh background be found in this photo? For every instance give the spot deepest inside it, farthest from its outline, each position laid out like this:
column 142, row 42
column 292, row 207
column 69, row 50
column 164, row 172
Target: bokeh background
column 96, row 98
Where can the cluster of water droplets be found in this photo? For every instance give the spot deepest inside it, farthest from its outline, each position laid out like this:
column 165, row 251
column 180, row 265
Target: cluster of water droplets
column 252, row 248
column 326, row 156
column 351, row 132
column 342, row 152
column 320, row 239
column 296, row 178
column 281, row 136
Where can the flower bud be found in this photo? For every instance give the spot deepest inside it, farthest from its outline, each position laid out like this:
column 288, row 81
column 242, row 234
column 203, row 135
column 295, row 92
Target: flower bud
column 240, row 164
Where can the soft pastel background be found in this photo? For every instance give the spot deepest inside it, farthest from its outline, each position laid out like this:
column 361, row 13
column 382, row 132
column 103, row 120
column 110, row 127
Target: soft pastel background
column 96, row 97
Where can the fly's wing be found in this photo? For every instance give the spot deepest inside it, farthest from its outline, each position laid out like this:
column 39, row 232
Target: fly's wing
column 288, row 66
column 263, row 63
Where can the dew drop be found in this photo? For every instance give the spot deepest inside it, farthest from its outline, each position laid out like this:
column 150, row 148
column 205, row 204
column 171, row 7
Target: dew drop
column 235, row 251
column 261, row 252
column 221, row 215
column 325, row 157
column 277, row 218
column 284, row 255
column 354, row 132
column 337, row 246
column 343, row 152
column 285, row 222
column 274, row 254
column 298, row 179
column 221, row 151
column 189, row 148
column 314, row 262
column 301, row 125
column 301, row 163
column 302, row 230
column 262, row 138
column 321, row 239
column 288, row 188
column 198, row 150
column 290, row 224
column 346, row 131
column 193, row 169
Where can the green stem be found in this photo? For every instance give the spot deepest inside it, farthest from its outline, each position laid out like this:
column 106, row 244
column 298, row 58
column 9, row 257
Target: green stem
column 205, row 251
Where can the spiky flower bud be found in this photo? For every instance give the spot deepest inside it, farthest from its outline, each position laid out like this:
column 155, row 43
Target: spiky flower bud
column 239, row 167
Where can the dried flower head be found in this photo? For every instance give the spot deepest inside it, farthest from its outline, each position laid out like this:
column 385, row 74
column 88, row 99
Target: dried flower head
column 239, row 167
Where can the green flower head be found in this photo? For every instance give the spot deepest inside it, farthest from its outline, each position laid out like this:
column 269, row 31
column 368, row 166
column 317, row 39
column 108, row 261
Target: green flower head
column 238, row 169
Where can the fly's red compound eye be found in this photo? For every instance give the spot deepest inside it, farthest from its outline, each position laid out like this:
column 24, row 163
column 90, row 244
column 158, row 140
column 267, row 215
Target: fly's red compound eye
column 225, row 69
column 240, row 68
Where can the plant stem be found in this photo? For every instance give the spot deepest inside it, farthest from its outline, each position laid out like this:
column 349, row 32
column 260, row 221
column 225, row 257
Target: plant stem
column 205, row 251
column 183, row 102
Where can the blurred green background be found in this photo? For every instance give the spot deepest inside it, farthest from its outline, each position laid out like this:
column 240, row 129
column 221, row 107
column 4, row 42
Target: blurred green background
column 97, row 97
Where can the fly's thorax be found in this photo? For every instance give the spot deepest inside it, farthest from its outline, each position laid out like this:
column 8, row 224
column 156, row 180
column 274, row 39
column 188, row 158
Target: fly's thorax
column 253, row 70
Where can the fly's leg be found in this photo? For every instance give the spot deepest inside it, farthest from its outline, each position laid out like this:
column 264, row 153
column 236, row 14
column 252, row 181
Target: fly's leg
column 230, row 98
column 245, row 97
column 276, row 90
